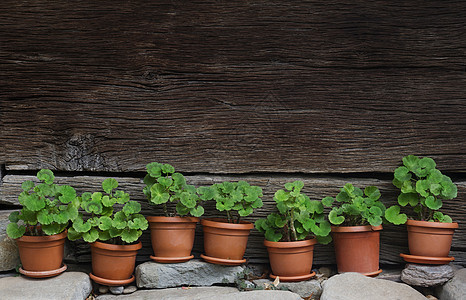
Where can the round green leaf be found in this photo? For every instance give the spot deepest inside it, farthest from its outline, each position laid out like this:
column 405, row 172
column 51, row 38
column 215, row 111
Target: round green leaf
column 53, row 228
column 27, row 185
column 109, row 184
column 433, row 203
column 334, row 218
column 68, row 194
column 33, row 202
column 91, row 236
column 15, row 231
column 392, row 214
column 168, row 169
column 197, row 211
column 46, row 176
column 105, row 223
column 80, row 226
column 132, row 207
column 402, row 174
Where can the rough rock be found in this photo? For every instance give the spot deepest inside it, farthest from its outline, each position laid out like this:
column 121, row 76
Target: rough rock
column 130, row 289
column 426, row 275
column 390, row 274
column 302, row 288
column 116, row 290
column 9, row 256
column 204, row 293
column 455, row 288
column 354, row 286
column 103, row 289
column 67, row 286
column 191, row 273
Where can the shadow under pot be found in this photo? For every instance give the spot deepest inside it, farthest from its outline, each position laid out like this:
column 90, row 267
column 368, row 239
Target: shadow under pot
column 357, row 249
column 42, row 256
column 291, row 261
column 113, row 265
column 225, row 243
column 172, row 238
column 429, row 242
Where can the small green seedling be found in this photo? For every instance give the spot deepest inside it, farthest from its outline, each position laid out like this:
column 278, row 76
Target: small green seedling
column 353, row 207
column 122, row 227
column 298, row 217
column 237, row 199
column 47, row 207
column 164, row 186
column 422, row 188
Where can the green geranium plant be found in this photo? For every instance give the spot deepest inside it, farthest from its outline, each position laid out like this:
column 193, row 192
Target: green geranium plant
column 236, row 199
column 298, row 217
column 164, row 186
column 47, row 207
column 354, row 207
column 422, row 188
column 124, row 226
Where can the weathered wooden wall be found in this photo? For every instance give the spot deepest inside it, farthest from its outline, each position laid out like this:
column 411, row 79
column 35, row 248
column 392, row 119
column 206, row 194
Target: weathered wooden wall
column 270, row 91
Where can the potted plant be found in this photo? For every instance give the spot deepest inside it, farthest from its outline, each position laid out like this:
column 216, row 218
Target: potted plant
column 423, row 187
column 357, row 217
column 40, row 227
column 225, row 240
column 113, row 234
column 290, row 234
column 172, row 234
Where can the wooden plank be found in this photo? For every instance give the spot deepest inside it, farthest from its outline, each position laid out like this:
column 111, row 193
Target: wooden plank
column 233, row 88
column 393, row 238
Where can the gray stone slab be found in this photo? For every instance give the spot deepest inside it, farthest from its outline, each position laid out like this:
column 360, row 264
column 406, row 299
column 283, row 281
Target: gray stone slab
column 391, row 274
column 67, row 286
column 9, row 256
column 193, row 273
column 426, row 275
column 306, row 289
column 204, row 293
column 455, row 288
column 354, row 286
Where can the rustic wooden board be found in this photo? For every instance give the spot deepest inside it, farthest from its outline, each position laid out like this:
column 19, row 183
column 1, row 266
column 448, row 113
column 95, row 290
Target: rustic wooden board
column 393, row 238
column 236, row 87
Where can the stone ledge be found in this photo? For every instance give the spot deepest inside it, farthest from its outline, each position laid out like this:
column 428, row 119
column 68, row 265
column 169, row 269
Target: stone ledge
column 67, row 286
column 192, row 273
column 205, row 293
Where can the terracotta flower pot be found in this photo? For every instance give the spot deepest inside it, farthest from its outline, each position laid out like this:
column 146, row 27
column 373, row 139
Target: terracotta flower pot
column 172, row 238
column 357, row 248
column 113, row 265
column 225, row 243
column 42, row 256
column 291, row 261
column 430, row 239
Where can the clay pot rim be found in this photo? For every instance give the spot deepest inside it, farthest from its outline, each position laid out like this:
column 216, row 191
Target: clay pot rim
column 43, row 238
column 295, row 244
column 112, row 247
column 453, row 225
column 177, row 219
column 223, row 223
column 363, row 228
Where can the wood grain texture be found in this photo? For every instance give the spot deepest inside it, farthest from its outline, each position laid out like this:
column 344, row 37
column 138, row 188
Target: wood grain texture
column 393, row 238
column 232, row 87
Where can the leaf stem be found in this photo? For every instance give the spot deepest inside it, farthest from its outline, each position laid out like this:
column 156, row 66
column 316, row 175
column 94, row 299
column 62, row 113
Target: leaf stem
column 294, row 236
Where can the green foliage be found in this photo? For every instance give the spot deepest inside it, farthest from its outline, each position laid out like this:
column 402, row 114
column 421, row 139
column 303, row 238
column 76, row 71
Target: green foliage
column 422, row 189
column 47, row 207
column 353, row 207
column 297, row 218
column 104, row 224
column 236, row 199
column 165, row 187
